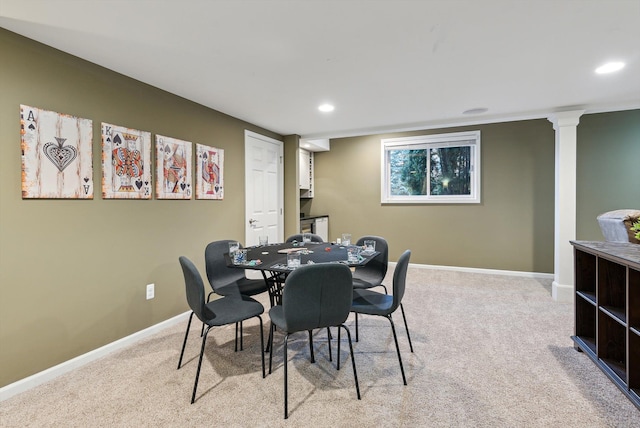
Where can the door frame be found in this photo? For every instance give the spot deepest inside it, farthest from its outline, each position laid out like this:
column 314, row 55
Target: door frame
column 280, row 179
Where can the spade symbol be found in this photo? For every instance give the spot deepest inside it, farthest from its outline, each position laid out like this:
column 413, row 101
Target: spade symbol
column 61, row 156
column 117, row 140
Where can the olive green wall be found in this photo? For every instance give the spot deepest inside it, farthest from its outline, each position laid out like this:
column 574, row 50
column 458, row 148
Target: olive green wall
column 512, row 229
column 73, row 272
column 608, row 172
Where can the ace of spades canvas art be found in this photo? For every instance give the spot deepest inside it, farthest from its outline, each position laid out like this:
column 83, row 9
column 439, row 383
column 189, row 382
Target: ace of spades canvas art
column 56, row 155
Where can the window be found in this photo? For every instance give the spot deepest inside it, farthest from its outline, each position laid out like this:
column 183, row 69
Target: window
column 443, row 168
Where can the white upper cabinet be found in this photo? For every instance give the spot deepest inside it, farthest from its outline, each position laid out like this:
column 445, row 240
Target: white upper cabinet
column 306, row 173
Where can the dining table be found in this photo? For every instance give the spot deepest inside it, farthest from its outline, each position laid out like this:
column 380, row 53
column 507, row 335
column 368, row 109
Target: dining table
column 271, row 260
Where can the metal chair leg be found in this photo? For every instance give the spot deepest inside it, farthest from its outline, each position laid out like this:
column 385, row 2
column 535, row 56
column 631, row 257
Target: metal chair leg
column 356, row 326
column 338, row 357
column 184, row 343
column 261, row 345
column 353, row 360
column 329, row 342
column 270, row 344
column 313, row 359
column 406, row 327
column 395, row 338
column 286, row 402
column 236, row 348
column 195, row 385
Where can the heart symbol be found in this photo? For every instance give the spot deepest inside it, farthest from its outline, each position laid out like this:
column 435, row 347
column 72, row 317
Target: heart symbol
column 60, row 156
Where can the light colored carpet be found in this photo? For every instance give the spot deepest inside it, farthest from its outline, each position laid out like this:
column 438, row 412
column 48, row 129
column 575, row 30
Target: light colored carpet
column 490, row 351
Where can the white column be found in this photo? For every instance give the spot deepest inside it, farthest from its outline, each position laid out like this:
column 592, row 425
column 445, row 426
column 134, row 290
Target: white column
column 565, row 125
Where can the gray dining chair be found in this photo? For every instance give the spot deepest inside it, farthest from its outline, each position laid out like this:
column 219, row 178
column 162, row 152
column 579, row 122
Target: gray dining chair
column 373, row 273
column 224, row 311
column 369, row 302
column 226, row 281
column 314, row 296
column 298, row 238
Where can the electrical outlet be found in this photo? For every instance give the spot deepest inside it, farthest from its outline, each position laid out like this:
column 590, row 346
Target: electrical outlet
column 150, row 291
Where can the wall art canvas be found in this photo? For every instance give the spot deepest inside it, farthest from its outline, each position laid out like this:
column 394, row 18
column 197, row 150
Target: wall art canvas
column 126, row 163
column 173, row 168
column 209, row 172
column 56, row 155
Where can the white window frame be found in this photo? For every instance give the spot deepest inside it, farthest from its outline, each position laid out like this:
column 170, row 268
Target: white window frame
column 454, row 139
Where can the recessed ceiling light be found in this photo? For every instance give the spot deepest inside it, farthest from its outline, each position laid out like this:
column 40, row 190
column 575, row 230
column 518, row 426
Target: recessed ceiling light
column 478, row 110
column 326, row 108
column 610, row 67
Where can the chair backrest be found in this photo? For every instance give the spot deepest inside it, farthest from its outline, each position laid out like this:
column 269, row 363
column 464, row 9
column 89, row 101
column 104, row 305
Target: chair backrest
column 400, row 279
column 378, row 266
column 298, row 237
column 218, row 273
column 194, row 288
column 317, row 296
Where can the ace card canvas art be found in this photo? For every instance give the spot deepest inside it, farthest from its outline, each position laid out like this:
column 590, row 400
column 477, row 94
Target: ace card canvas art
column 56, row 155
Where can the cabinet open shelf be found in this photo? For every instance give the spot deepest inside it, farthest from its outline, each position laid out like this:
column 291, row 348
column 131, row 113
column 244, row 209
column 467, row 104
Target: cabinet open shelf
column 616, row 313
column 607, row 310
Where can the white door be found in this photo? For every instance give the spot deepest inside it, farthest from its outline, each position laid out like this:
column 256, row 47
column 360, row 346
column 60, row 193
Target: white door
column 264, row 188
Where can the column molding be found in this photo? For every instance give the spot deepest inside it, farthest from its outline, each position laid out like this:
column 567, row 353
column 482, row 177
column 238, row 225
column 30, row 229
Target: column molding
column 565, row 124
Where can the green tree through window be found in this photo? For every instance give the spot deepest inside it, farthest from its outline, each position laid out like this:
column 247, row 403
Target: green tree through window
column 432, row 168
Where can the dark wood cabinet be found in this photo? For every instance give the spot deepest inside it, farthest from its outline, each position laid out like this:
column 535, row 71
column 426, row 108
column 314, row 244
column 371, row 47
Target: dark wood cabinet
column 607, row 310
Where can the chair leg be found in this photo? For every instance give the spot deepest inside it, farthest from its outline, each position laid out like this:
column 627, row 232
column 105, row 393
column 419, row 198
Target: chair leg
column 406, row 327
column 269, row 339
column 236, row 348
column 195, row 385
column 356, row 314
column 184, row 343
column 286, row 402
column 313, row 359
column 395, row 338
column 353, row 361
column 270, row 344
column 329, row 342
column 338, row 357
column 261, row 345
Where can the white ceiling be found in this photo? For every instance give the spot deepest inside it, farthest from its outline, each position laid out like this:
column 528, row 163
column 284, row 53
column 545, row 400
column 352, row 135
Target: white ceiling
column 386, row 65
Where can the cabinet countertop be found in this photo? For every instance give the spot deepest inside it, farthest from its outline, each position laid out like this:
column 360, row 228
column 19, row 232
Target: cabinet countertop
column 624, row 251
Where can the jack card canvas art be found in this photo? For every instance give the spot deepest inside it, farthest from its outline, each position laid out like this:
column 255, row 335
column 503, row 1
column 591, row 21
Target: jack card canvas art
column 209, row 172
column 56, row 155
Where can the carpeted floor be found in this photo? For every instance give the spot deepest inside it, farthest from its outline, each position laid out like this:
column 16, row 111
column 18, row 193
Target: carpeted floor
column 490, row 351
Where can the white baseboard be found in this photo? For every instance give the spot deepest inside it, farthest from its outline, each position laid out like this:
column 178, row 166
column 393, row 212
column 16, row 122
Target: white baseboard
column 562, row 293
column 483, row 271
column 32, row 381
